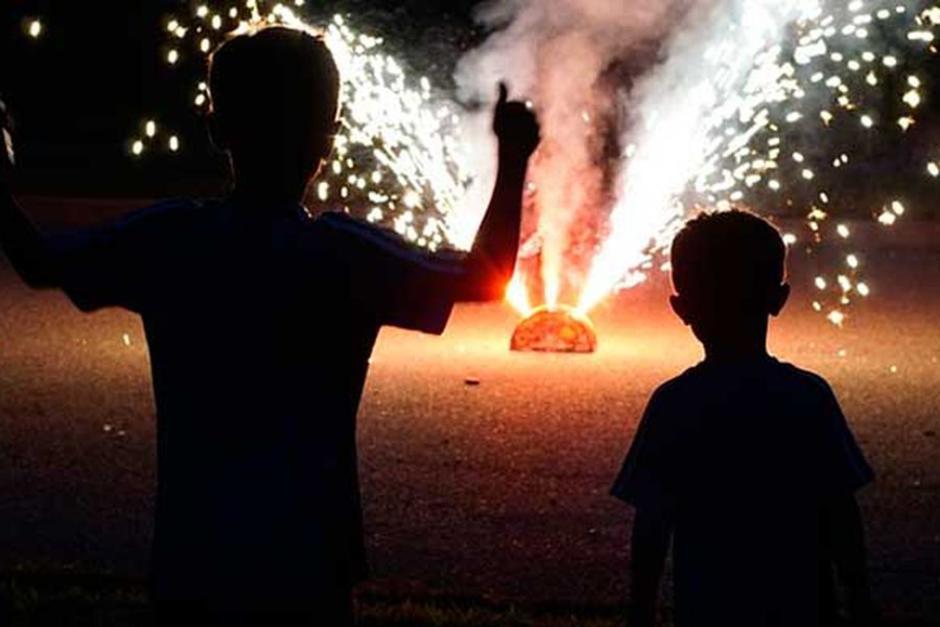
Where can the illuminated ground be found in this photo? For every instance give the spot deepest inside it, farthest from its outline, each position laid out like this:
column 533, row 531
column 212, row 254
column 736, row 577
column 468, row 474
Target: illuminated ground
column 496, row 489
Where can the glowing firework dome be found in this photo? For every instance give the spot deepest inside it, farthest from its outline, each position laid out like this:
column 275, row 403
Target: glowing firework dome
column 784, row 96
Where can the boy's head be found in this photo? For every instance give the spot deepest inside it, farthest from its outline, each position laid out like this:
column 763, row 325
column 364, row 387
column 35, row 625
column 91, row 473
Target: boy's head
column 729, row 273
column 275, row 101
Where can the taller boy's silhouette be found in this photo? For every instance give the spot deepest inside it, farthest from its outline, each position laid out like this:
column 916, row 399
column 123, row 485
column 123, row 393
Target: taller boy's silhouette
column 260, row 322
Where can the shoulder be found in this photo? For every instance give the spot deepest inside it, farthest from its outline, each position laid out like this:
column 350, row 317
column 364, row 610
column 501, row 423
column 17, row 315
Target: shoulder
column 805, row 381
column 170, row 212
column 354, row 236
column 678, row 388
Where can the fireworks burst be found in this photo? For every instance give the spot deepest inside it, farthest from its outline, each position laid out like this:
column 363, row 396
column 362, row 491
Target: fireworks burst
column 778, row 130
column 775, row 77
column 759, row 103
column 396, row 162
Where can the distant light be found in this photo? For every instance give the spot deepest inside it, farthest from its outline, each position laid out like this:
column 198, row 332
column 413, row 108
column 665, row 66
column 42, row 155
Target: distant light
column 172, row 56
column 137, row 148
column 836, row 317
column 174, row 143
column 35, row 28
column 150, row 128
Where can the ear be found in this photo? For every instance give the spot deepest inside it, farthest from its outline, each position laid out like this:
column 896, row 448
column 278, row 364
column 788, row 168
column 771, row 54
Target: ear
column 778, row 299
column 680, row 306
column 330, row 140
column 217, row 132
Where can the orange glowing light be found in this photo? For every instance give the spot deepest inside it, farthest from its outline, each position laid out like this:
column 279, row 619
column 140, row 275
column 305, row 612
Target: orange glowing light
column 555, row 330
column 518, row 296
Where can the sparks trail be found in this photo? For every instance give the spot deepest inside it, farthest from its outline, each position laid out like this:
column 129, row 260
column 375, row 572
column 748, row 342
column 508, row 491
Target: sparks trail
column 758, row 103
column 397, row 160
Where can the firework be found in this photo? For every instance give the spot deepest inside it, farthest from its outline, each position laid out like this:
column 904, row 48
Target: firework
column 396, row 161
column 772, row 77
column 775, row 131
column 555, row 330
column 759, row 103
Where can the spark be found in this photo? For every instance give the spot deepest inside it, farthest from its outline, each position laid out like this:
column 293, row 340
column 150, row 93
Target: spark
column 35, row 28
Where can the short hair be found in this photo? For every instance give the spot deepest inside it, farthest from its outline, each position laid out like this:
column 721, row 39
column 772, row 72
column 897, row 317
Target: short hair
column 732, row 256
column 275, row 76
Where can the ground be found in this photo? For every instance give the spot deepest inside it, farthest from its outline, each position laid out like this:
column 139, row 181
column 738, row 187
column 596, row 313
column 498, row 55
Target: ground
column 485, row 472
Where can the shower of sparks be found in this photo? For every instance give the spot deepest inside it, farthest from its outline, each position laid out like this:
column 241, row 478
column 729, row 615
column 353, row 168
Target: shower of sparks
column 397, row 161
column 760, row 134
column 785, row 97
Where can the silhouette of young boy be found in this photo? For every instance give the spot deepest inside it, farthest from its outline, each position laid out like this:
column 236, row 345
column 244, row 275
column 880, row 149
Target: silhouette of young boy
column 745, row 463
column 260, row 322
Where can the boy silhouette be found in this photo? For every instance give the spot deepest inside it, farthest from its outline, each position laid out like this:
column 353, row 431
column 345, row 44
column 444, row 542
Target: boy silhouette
column 745, row 463
column 260, row 322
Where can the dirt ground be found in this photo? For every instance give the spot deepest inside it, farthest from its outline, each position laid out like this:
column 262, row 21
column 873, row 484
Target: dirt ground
column 496, row 490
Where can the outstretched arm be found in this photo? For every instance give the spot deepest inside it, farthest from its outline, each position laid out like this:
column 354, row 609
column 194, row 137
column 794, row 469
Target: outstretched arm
column 22, row 242
column 490, row 265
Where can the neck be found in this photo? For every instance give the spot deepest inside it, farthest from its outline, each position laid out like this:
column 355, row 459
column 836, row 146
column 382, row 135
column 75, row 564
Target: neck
column 742, row 352
column 269, row 187
column 738, row 347
column 268, row 193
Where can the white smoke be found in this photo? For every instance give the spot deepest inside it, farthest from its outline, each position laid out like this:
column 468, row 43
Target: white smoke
column 556, row 53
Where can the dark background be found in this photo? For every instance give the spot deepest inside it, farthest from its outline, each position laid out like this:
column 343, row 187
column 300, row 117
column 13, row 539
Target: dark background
column 82, row 91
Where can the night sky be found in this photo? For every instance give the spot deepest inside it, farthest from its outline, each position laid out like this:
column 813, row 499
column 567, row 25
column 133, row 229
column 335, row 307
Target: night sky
column 81, row 90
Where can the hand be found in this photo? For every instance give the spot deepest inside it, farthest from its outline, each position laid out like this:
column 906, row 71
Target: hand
column 516, row 126
column 7, row 158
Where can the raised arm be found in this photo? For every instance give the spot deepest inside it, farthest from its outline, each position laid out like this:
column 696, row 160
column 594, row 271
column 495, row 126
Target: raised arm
column 491, row 263
column 22, row 242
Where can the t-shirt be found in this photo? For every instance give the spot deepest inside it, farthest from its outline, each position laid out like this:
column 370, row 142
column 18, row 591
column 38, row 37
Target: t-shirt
column 260, row 323
column 742, row 455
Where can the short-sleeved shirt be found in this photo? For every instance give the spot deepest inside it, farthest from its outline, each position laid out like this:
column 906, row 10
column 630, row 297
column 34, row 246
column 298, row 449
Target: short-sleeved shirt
column 260, row 323
column 742, row 455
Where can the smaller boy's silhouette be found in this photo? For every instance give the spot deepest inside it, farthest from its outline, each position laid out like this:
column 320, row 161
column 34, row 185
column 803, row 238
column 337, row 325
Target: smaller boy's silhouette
column 745, row 463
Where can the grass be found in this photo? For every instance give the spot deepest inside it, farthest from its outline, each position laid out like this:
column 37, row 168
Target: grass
column 67, row 600
column 71, row 600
